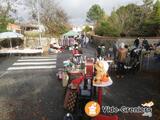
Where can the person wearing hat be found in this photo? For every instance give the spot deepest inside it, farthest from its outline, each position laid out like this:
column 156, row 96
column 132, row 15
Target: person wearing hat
column 121, row 59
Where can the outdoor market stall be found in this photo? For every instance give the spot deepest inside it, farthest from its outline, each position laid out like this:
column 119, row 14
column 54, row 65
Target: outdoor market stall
column 14, row 39
column 80, row 78
column 10, row 36
column 68, row 39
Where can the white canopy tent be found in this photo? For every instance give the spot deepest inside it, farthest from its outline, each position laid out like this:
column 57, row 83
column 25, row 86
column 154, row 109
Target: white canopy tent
column 6, row 35
column 10, row 36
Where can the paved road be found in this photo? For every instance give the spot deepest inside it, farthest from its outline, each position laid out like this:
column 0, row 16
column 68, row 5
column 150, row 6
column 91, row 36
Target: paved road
column 29, row 89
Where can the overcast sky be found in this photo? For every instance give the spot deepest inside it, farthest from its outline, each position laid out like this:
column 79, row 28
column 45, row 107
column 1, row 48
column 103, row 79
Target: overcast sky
column 77, row 9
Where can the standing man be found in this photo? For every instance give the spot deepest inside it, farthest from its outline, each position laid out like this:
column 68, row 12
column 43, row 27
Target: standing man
column 82, row 40
column 115, row 49
column 145, row 44
column 86, row 41
column 136, row 43
column 101, row 52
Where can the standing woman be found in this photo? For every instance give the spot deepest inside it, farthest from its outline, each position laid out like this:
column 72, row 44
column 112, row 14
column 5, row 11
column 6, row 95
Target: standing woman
column 121, row 59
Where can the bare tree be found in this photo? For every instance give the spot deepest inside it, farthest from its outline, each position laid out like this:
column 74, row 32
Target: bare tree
column 51, row 15
column 5, row 7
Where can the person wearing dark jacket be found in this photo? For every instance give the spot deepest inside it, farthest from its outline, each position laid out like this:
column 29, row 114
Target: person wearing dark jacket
column 101, row 51
column 145, row 44
column 136, row 43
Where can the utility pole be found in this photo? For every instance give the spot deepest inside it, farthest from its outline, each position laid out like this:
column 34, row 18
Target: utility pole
column 38, row 15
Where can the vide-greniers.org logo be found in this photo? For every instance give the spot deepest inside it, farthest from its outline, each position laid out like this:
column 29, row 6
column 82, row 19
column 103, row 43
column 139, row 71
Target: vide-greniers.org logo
column 146, row 111
column 92, row 109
